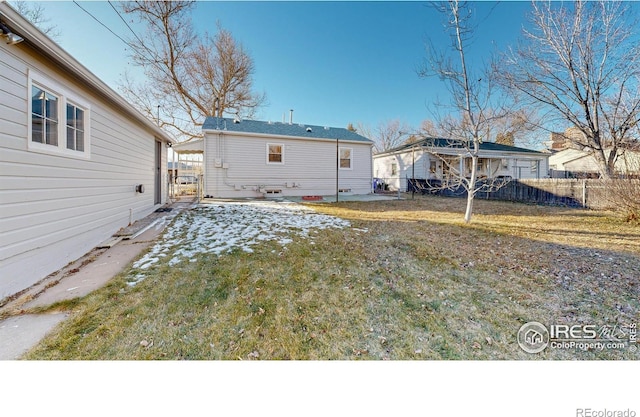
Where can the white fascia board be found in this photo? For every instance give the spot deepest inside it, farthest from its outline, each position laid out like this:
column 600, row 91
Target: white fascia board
column 43, row 44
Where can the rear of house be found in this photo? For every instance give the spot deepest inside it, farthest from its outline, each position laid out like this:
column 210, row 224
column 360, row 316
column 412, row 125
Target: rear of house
column 77, row 162
column 249, row 158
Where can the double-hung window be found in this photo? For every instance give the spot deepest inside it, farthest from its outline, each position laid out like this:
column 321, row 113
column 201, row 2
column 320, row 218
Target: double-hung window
column 275, row 153
column 346, row 158
column 59, row 122
column 75, row 128
column 44, row 116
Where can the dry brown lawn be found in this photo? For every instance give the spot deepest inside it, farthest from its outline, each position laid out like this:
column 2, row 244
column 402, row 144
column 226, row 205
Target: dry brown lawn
column 408, row 280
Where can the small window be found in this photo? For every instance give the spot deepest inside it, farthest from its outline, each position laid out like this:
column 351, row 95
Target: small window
column 275, row 153
column 504, row 164
column 75, row 128
column 432, row 167
column 345, row 158
column 534, row 166
column 394, row 168
column 44, row 116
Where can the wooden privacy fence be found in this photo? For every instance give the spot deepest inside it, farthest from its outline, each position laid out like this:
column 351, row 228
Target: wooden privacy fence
column 587, row 193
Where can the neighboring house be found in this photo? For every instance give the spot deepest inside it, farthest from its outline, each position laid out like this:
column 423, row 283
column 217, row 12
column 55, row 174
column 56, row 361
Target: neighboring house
column 438, row 159
column 249, row 158
column 568, row 159
column 576, row 163
column 77, row 162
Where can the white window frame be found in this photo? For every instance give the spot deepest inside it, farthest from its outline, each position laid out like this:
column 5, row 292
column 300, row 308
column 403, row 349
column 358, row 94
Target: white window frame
column 340, row 149
column 534, row 166
column 65, row 96
column 281, row 145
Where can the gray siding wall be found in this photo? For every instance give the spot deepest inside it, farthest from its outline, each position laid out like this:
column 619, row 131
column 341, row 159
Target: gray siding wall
column 236, row 166
column 55, row 208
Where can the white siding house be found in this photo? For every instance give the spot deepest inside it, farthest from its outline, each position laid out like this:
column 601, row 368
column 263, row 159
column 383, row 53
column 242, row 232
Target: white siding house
column 571, row 162
column 248, row 158
column 436, row 159
column 73, row 155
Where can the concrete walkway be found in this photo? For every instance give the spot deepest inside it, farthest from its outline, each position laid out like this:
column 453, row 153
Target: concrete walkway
column 19, row 331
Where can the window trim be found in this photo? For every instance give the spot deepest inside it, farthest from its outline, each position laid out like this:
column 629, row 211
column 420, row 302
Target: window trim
column 281, row 145
column 350, row 158
column 65, row 96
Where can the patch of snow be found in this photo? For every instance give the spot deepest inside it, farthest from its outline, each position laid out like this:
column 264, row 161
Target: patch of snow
column 224, row 226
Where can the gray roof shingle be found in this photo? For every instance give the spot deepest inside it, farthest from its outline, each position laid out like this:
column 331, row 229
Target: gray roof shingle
column 282, row 129
column 451, row 143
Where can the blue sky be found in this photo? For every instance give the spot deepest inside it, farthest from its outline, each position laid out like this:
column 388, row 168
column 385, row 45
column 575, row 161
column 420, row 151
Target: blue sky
column 333, row 63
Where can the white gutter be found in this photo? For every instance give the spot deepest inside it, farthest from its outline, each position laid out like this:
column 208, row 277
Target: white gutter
column 43, row 44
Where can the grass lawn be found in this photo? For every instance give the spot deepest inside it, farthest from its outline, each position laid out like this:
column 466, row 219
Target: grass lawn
column 405, row 280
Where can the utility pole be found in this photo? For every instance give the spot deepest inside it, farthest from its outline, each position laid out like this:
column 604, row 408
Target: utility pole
column 337, row 169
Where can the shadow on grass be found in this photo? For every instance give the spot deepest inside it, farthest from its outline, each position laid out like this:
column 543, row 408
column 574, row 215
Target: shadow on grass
column 428, row 289
column 582, row 228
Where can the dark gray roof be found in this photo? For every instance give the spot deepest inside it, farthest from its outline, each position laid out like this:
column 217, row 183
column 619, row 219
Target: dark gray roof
column 452, row 143
column 282, row 129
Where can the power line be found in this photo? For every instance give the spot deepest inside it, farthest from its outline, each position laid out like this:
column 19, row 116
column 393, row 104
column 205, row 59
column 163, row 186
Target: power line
column 125, row 22
column 102, row 24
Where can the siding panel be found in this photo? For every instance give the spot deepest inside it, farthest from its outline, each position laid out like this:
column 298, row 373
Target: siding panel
column 55, row 208
column 309, row 167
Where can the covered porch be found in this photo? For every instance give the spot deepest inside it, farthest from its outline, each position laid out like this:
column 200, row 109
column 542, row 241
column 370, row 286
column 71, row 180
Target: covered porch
column 186, row 169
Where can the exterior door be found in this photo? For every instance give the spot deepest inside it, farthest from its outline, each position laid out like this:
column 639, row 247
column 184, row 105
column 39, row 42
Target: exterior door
column 158, row 174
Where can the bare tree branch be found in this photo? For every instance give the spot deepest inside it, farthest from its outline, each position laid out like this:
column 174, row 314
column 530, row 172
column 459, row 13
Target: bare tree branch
column 471, row 95
column 387, row 135
column 581, row 60
column 189, row 76
column 36, row 14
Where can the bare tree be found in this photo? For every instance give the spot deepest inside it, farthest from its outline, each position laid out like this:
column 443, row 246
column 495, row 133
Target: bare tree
column 623, row 192
column 470, row 116
column 507, row 128
column 188, row 77
column 35, row 13
column 581, row 61
column 387, row 135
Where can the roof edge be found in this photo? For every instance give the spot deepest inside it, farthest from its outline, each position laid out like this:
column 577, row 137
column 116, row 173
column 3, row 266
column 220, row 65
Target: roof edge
column 45, row 45
column 269, row 135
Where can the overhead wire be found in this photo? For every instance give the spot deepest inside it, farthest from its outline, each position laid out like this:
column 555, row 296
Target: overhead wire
column 102, row 24
column 125, row 22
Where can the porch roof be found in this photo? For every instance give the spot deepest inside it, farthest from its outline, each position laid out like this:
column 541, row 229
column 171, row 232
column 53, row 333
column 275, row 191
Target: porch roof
column 453, row 144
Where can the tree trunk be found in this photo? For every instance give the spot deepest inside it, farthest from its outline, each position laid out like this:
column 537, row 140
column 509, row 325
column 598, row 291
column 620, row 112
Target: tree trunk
column 471, row 190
